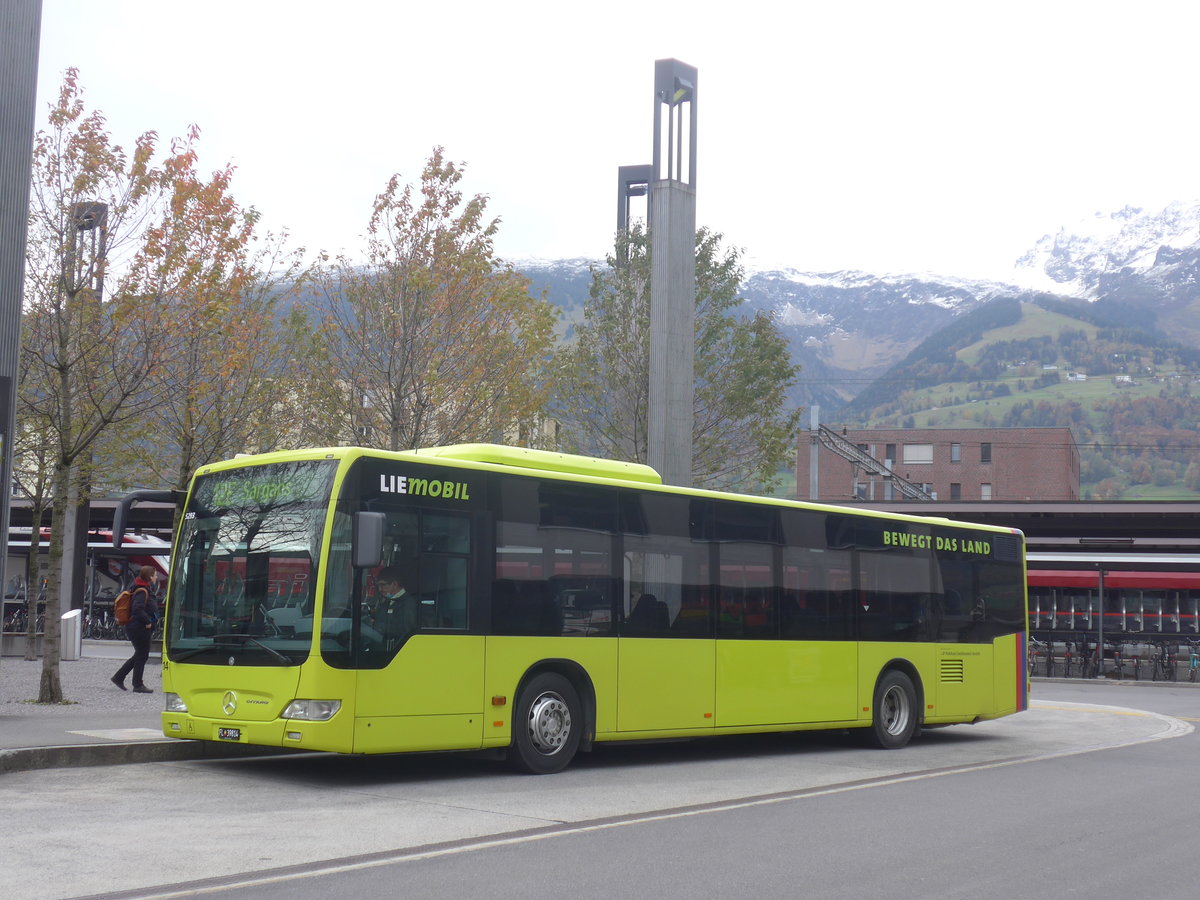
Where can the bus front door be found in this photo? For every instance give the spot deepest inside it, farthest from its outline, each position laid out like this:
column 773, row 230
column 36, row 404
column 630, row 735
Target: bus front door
column 427, row 698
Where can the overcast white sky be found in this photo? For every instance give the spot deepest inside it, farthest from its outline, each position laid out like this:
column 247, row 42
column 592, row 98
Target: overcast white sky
column 885, row 136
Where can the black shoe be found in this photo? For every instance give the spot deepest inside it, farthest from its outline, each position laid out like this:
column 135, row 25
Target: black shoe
column 118, row 682
column 142, row 689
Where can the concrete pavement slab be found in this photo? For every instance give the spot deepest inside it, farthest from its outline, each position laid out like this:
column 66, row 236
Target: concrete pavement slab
column 96, row 724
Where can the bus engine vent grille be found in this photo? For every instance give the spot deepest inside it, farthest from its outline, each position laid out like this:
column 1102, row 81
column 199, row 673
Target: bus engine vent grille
column 952, row 671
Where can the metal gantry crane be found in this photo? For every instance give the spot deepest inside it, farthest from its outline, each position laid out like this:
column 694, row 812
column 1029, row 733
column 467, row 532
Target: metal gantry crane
column 835, row 443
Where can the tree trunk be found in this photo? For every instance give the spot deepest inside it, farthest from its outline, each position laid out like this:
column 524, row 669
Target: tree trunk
column 31, row 584
column 50, row 690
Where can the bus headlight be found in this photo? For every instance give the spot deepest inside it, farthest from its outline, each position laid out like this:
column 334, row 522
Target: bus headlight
column 175, row 703
column 312, row 710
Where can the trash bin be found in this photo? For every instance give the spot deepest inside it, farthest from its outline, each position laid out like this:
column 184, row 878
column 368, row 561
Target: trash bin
column 72, row 634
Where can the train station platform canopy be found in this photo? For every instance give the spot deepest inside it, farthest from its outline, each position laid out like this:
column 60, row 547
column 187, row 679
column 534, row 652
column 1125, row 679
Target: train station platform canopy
column 1135, row 527
column 1158, row 527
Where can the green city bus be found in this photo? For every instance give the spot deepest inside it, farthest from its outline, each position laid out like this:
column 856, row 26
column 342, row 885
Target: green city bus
column 557, row 601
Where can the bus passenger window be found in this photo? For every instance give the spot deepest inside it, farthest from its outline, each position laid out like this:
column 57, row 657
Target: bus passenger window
column 522, row 607
column 554, row 546
column 648, row 618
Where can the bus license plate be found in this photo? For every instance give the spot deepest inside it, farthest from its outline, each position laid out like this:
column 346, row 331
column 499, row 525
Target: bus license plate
column 229, row 734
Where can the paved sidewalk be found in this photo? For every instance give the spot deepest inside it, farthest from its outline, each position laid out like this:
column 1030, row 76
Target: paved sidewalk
column 98, row 724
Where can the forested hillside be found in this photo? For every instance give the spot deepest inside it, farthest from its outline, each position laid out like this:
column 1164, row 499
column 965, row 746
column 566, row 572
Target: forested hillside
column 1130, row 397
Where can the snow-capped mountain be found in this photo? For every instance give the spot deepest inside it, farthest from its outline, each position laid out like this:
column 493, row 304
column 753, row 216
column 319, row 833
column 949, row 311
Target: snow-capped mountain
column 847, row 328
column 1076, row 259
column 1141, row 267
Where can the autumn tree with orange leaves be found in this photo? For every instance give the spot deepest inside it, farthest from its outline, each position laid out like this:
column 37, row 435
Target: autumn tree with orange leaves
column 118, row 241
column 433, row 340
column 235, row 379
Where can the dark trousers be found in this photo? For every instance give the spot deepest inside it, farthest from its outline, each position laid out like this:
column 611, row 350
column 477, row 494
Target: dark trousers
column 139, row 636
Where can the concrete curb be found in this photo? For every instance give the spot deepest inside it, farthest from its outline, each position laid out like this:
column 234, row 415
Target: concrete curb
column 1058, row 679
column 23, row 759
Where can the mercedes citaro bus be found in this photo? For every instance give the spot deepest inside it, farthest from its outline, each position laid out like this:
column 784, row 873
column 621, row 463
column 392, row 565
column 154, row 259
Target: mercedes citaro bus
column 556, row 601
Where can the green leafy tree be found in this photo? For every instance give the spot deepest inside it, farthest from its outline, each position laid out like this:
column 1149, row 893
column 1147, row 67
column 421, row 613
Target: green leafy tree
column 1165, row 474
column 742, row 432
column 433, row 340
column 1191, row 478
column 1141, row 472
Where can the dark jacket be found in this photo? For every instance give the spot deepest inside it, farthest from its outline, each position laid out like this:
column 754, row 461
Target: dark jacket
column 143, row 610
column 397, row 616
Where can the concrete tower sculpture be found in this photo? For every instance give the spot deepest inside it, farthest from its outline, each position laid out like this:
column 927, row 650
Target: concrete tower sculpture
column 672, row 226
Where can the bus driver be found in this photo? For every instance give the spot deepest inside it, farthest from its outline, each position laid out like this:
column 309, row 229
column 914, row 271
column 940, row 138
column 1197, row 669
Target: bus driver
column 395, row 613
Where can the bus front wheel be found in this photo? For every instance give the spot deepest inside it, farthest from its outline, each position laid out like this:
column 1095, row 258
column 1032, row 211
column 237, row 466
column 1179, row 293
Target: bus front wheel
column 894, row 719
column 547, row 725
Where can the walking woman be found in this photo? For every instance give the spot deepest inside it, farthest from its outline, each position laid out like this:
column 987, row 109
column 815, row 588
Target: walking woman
column 143, row 614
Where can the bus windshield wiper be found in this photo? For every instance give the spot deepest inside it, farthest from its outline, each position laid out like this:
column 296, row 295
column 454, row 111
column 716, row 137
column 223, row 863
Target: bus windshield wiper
column 245, row 638
column 188, row 654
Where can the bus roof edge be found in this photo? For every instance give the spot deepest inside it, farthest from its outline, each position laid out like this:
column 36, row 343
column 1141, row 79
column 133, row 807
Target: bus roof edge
column 546, row 460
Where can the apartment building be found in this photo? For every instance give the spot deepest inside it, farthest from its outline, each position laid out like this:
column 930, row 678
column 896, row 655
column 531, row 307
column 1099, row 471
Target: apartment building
column 1009, row 464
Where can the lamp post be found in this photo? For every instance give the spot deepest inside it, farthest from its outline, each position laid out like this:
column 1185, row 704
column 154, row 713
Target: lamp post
column 87, row 251
column 632, row 181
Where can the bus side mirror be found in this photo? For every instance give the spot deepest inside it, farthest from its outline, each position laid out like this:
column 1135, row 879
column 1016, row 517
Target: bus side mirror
column 368, row 539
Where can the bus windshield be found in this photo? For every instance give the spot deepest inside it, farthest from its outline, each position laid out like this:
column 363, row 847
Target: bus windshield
column 243, row 584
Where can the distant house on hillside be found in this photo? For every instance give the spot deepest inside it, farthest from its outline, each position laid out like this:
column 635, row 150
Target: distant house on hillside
column 1008, row 464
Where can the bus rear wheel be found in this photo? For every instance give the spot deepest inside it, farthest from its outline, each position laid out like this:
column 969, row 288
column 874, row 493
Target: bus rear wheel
column 894, row 720
column 547, row 725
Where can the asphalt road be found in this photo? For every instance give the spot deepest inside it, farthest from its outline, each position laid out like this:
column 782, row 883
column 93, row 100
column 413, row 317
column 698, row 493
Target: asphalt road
column 1029, row 806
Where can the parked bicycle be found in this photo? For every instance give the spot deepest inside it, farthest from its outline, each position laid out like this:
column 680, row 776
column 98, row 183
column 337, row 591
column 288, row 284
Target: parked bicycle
column 102, row 627
column 1093, row 663
column 1164, row 664
column 1118, row 663
column 1034, row 651
column 1051, row 665
column 18, row 623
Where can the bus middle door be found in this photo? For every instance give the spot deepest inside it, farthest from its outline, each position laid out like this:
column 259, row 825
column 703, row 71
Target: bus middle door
column 666, row 679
